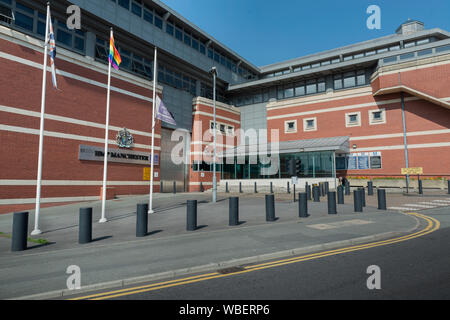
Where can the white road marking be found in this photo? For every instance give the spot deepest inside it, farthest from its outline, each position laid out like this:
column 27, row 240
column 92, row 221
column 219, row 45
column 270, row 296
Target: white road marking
column 341, row 224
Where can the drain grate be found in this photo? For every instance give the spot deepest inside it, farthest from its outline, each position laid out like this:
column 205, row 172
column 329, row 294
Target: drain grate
column 230, row 270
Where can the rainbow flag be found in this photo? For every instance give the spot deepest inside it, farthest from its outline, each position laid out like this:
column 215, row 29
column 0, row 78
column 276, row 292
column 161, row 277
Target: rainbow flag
column 114, row 56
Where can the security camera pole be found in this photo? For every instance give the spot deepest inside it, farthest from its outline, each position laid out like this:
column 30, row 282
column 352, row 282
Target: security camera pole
column 213, row 71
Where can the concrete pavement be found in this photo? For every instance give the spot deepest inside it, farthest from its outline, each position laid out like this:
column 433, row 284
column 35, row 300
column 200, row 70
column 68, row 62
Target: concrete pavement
column 168, row 250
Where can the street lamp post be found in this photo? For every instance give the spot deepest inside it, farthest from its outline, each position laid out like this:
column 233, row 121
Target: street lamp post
column 213, row 71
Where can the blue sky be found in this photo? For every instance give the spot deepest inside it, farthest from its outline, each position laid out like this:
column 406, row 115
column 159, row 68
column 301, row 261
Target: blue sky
column 265, row 32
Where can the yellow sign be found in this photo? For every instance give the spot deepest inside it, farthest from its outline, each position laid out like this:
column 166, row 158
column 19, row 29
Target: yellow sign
column 146, row 175
column 412, row 171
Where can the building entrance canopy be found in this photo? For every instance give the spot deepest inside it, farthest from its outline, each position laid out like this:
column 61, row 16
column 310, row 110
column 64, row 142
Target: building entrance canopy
column 315, row 157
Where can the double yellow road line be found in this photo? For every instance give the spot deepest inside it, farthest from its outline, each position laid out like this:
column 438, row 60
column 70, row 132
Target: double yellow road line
column 432, row 225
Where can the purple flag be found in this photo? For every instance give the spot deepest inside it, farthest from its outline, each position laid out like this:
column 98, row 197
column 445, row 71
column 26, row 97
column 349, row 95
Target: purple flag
column 163, row 114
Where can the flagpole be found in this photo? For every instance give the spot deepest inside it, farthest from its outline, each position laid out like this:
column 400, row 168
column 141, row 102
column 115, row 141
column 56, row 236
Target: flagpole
column 36, row 230
column 105, row 157
column 155, row 75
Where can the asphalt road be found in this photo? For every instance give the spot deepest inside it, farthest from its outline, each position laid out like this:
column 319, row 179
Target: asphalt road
column 414, row 269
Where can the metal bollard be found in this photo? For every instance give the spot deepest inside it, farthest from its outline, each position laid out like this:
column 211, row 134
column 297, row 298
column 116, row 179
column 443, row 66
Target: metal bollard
column 322, row 189
column 448, row 186
column 141, row 219
column 85, row 226
column 174, row 187
column 326, row 187
column 270, row 207
column 302, row 205
column 271, row 187
column 381, row 193
column 316, row 193
column 363, row 196
column 293, row 186
column 201, row 186
column 308, row 192
column 340, row 194
column 240, row 187
column 161, row 187
column 332, row 202
column 288, row 190
column 370, row 188
column 347, row 189
column 191, row 221
column 357, row 201
column 234, row 211
column 420, row 187
column 226, row 187
column 19, row 231
column 256, row 188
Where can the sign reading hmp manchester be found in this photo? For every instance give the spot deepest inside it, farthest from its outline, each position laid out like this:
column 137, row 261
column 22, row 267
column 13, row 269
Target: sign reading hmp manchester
column 93, row 153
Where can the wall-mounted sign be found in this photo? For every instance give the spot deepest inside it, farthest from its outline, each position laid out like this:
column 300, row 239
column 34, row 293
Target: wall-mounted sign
column 124, row 139
column 412, row 171
column 93, row 153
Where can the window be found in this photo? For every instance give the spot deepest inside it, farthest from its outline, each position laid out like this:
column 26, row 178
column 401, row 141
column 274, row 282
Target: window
column 353, row 119
column 425, row 52
column 423, row 41
column 288, row 92
column 169, row 29
column 377, row 116
column 136, row 9
column 310, row 124
column 442, row 49
column 158, row 22
column 300, row 89
column 409, row 44
column 290, row 126
column 338, row 82
column 349, row 80
column 361, row 78
column 179, row 34
column 407, row 56
column 148, row 15
column 222, row 128
column 321, row 85
column 187, row 39
column 195, row 44
column 311, row 87
column 124, row 3
column 375, row 162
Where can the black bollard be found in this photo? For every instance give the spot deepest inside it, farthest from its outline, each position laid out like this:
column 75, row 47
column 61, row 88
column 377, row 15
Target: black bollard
column 340, row 194
column 256, row 188
column 363, row 196
column 271, row 187
column 161, row 187
column 316, row 193
column 240, row 187
column 302, row 205
column 357, row 200
column 191, row 221
column 322, row 189
column 141, row 219
column 234, row 211
column 347, row 189
column 326, row 187
column 332, row 202
column 370, row 188
column 201, row 186
column 226, row 187
column 270, row 207
column 308, row 192
column 19, row 231
column 293, row 186
column 288, row 190
column 420, row 187
column 448, row 186
column 381, row 193
column 174, row 187
column 85, row 226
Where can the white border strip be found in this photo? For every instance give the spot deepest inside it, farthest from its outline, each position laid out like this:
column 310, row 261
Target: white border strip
column 6, row 182
column 48, row 200
column 401, row 147
column 398, row 135
column 67, row 136
column 71, row 120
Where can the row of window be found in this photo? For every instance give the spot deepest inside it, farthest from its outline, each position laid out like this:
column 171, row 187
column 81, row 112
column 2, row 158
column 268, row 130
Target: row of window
column 32, row 21
column 348, row 57
column 352, row 119
column 340, row 81
column 412, row 55
column 222, row 128
column 144, row 67
column 145, row 12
